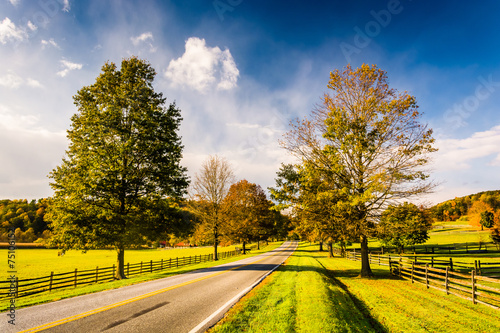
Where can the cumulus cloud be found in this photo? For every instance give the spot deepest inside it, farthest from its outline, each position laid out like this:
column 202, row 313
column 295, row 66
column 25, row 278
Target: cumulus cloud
column 15, row 2
column 201, row 66
column 457, row 154
column 9, row 32
column 67, row 67
column 31, row 26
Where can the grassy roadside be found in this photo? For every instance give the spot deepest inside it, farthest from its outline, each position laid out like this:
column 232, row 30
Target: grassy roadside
column 71, row 292
column 313, row 293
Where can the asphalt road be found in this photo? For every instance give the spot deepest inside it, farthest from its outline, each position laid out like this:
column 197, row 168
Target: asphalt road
column 190, row 302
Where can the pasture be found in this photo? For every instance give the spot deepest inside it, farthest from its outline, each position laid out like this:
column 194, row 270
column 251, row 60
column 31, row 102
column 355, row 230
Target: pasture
column 314, row 293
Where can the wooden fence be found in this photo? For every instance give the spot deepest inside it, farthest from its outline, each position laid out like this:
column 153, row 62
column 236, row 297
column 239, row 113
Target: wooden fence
column 24, row 287
column 452, row 278
column 479, row 247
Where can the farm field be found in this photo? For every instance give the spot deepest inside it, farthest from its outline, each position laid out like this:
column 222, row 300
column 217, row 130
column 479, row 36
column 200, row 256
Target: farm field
column 350, row 304
column 71, row 292
column 31, row 263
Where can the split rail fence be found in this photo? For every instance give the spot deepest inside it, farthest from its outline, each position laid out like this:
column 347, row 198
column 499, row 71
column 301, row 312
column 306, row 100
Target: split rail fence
column 24, row 287
column 452, row 277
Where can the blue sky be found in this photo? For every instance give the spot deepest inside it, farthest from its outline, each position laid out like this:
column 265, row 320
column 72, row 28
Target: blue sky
column 240, row 70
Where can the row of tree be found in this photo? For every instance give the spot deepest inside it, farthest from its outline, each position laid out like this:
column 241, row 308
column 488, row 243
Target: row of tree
column 121, row 183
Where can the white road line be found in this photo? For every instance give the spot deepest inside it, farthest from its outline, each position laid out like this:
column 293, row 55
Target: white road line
column 232, row 301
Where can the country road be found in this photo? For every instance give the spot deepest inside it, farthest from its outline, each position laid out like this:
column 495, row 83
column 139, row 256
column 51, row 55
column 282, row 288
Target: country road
column 190, row 302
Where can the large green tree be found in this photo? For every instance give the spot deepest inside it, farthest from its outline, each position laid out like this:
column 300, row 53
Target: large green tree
column 367, row 141
column 122, row 172
column 404, row 225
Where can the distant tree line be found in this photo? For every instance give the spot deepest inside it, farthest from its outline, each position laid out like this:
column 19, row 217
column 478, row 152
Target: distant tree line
column 27, row 219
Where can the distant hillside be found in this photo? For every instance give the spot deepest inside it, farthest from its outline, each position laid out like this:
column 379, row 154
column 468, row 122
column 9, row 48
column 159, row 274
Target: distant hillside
column 470, row 205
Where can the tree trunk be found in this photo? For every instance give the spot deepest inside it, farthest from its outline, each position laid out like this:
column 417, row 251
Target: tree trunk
column 120, row 270
column 320, row 246
column 330, row 250
column 258, row 244
column 216, row 241
column 244, row 249
column 365, row 262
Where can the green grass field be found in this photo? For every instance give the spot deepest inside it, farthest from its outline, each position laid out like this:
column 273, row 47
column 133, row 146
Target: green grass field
column 32, row 263
column 49, row 258
column 313, row 293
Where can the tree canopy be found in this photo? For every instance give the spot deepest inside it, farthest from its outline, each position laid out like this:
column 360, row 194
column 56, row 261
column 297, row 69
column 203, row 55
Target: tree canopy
column 121, row 174
column 367, row 143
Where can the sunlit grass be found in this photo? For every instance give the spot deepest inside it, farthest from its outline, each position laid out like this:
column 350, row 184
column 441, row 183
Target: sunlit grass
column 299, row 297
column 313, row 293
column 32, row 263
column 71, row 292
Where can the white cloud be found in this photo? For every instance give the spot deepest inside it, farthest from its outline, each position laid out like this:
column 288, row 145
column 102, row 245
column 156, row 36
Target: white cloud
column 33, row 83
column 31, row 26
column 11, row 80
column 24, row 141
column 201, row 66
column 457, row 154
column 142, row 38
column 50, row 42
column 15, row 2
column 147, row 38
column 67, row 67
column 9, row 32
column 66, row 6
column 14, row 81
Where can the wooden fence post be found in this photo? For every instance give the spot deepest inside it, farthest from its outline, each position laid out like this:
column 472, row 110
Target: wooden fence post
column 473, row 287
column 427, row 275
column 412, row 270
column 51, row 278
column 451, row 264
column 113, row 276
column 96, row 274
column 151, row 266
column 141, row 267
column 177, row 262
column 479, row 266
column 161, row 265
column 400, row 265
column 446, row 281
column 432, row 260
column 466, row 248
column 128, row 269
column 17, row 287
column 475, row 265
column 76, row 272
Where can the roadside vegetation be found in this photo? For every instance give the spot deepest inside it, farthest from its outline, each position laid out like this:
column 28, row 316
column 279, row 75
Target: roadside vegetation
column 329, row 296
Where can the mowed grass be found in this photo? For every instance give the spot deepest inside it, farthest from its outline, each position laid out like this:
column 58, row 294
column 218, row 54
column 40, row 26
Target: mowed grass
column 33, row 263
column 71, row 292
column 299, row 297
column 313, row 293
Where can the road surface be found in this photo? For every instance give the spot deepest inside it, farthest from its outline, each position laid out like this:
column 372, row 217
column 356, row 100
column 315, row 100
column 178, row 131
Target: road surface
column 190, row 302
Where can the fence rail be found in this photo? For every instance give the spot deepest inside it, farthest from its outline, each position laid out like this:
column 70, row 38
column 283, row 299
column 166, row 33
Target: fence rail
column 456, row 278
column 24, row 287
column 469, row 247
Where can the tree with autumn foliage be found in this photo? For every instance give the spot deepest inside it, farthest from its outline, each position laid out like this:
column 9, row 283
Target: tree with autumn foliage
column 247, row 213
column 367, row 140
column 121, row 178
